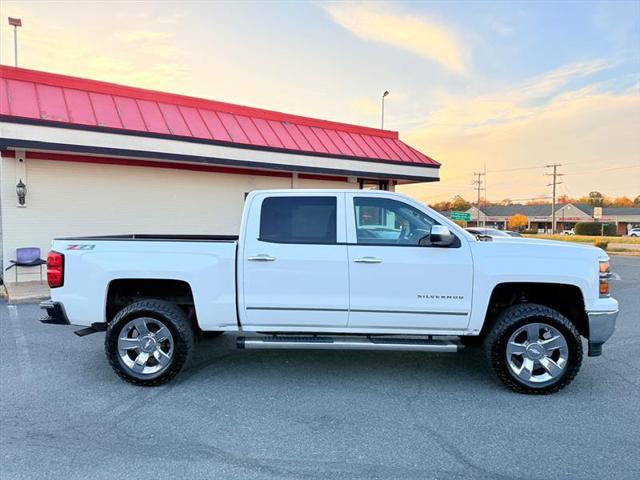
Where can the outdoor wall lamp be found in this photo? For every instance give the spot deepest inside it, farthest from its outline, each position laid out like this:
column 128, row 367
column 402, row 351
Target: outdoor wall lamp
column 21, row 191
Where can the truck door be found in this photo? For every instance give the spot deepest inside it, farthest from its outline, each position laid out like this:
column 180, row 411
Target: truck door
column 294, row 262
column 394, row 282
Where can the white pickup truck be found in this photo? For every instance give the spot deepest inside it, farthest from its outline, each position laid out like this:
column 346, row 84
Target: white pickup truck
column 337, row 269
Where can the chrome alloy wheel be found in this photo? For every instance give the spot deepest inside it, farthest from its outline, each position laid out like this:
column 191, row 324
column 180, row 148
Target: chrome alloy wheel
column 145, row 346
column 537, row 354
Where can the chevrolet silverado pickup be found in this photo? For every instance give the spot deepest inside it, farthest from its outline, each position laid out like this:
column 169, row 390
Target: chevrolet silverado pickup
column 337, row 269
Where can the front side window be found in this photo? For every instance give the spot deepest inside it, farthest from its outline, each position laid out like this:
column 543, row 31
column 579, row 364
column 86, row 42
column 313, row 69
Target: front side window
column 382, row 221
column 298, row 220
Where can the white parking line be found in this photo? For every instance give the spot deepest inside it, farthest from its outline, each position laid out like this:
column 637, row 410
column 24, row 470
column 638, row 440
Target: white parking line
column 615, row 276
column 24, row 359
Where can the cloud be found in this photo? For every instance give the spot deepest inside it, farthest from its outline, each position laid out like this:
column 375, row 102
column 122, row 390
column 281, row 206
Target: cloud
column 585, row 129
column 143, row 36
column 419, row 35
column 471, row 113
column 363, row 105
column 132, row 56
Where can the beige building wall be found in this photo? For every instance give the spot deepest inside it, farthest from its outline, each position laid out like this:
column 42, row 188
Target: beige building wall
column 71, row 198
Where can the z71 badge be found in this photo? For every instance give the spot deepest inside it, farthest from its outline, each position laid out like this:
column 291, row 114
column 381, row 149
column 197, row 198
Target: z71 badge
column 81, row 246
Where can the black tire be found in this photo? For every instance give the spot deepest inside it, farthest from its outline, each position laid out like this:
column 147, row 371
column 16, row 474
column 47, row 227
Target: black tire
column 167, row 314
column 517, row 316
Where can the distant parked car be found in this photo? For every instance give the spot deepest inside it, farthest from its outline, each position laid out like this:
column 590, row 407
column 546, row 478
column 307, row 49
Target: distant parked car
column 489, row 232
column 634, row 232
column 568, row 232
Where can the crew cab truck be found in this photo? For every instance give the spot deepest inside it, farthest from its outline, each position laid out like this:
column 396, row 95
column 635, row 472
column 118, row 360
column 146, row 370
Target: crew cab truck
column 337, row 269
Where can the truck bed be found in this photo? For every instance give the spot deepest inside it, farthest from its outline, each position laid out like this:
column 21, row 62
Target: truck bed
column 94, row 264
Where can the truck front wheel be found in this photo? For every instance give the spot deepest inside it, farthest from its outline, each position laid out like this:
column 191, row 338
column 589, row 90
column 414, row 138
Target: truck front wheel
column 148, row 342
column 534, row 349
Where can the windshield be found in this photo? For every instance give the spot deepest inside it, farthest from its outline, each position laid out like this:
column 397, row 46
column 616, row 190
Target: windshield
column 488, row 231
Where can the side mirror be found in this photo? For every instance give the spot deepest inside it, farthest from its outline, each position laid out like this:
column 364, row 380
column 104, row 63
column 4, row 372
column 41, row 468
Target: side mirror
column 440, row 236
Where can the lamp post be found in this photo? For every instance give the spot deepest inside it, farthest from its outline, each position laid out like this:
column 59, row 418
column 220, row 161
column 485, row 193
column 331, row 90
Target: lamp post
column 383, row 95
column 15, row 23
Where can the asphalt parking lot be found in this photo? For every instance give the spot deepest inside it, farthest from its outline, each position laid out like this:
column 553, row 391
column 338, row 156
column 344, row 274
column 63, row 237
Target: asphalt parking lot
column 312, row 414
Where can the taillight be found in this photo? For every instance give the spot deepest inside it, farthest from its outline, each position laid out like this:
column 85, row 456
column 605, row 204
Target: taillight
column 55, row 269
column 605, row 276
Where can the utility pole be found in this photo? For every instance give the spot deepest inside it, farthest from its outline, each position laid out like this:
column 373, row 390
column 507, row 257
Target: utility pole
column 555, row 182
column 15, row 23
column 478, row 182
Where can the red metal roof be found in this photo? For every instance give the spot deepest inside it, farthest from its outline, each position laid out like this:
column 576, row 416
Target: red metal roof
column 48, row 97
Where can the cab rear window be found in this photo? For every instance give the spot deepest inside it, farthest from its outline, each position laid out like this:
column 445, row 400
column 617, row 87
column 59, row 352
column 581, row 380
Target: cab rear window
column 298, row 220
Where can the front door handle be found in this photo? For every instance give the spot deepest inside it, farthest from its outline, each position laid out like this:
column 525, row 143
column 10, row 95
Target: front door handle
column 368, row 260
column 263, row 257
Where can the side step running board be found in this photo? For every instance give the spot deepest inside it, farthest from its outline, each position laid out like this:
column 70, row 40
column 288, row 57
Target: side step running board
column 94, row 328
column 349, row 343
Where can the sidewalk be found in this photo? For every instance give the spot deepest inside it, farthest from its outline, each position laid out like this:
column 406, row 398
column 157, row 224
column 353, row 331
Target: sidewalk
column 25, row 292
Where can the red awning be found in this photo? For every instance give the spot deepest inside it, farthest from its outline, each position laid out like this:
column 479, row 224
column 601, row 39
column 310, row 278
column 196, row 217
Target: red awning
column 51, row 99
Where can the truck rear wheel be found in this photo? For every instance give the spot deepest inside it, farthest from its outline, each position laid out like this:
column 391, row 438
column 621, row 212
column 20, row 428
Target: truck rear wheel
column 534, row 349
column 148, row 342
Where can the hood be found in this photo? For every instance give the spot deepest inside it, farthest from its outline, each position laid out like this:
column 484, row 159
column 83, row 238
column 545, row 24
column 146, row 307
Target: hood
column 547, row 248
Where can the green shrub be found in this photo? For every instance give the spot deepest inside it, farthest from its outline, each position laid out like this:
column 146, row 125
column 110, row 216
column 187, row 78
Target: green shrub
column 595, row 228
column 603, row 244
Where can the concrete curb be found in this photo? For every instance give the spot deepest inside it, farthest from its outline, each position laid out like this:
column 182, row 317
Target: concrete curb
column 25, row 292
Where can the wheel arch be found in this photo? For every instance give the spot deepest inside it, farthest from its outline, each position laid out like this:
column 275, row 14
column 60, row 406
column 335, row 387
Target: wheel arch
column 565, row 298
column 122, row 292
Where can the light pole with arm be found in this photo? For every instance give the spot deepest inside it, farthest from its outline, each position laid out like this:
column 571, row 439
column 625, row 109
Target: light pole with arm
column 15, row 23
column 386, row 92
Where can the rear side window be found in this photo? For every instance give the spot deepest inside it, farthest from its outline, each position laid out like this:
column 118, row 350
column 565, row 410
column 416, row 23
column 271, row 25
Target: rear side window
column 298, row 220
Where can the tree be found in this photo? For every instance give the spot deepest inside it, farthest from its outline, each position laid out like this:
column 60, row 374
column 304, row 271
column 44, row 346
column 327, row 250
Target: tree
column 518, row 222
column 636, row 201
column 596, row 199
column 505, row 202
column 443, row 206
column 460, row 204
column 563, row 199
column 621, row 202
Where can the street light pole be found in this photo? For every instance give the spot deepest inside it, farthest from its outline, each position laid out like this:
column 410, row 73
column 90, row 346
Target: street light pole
column 382, row 122
column 15, row 23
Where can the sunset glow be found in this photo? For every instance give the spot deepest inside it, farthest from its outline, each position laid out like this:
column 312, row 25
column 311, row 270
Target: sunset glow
column 475, row 85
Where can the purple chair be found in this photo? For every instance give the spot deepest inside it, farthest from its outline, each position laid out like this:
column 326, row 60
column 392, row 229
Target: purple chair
column 27, row 257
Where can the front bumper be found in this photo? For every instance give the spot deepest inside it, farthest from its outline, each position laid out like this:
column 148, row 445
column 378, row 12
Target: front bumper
column 55, row 313
column 601, row 326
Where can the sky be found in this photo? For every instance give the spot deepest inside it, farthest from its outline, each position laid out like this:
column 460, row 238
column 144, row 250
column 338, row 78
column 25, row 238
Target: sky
column 506, row 87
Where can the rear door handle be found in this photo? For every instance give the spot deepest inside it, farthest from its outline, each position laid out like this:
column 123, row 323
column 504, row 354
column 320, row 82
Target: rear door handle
column 368, row 260
column 263, row 257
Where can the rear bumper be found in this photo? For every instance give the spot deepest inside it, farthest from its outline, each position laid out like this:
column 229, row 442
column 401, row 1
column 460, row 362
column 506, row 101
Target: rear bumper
column 55, row 313
column 601, row 326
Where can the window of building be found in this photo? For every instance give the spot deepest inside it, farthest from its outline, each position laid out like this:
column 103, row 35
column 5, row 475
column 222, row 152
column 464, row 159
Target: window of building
column 298, row 220
column 382, row 221
column 373, row 184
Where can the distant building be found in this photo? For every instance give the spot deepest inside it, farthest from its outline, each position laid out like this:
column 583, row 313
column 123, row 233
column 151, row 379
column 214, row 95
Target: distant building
column 567, row 215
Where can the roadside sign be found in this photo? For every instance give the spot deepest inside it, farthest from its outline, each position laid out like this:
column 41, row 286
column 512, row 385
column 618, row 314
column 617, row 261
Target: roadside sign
column 597, row 213
column 464, row 216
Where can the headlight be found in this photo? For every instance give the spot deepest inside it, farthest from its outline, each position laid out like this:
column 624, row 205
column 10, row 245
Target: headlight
column 605, row 276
